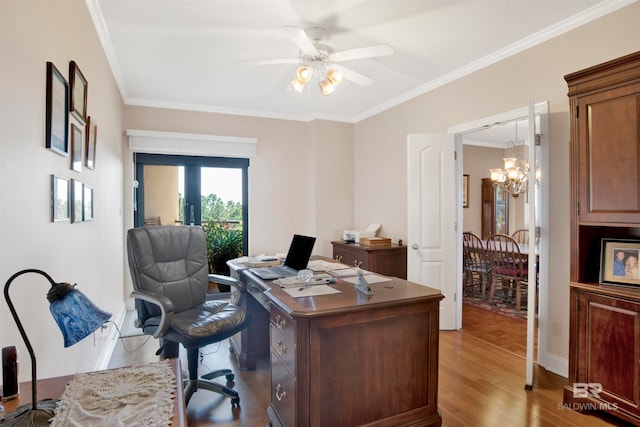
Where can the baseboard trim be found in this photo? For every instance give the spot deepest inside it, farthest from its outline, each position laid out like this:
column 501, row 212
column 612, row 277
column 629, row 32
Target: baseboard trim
column 111, row 339
column 556, row 364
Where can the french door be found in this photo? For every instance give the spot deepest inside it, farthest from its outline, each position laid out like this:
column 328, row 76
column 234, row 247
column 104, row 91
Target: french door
column 174, row 189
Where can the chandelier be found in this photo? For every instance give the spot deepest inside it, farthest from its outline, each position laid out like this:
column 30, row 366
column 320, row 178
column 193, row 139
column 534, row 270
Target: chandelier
column 328, row 79
column 514, row 177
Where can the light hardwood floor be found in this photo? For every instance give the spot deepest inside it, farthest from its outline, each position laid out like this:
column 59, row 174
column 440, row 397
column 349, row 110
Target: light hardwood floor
column 480, row 384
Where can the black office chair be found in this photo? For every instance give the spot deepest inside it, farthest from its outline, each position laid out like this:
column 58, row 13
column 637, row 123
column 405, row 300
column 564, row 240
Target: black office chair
column 168, row 265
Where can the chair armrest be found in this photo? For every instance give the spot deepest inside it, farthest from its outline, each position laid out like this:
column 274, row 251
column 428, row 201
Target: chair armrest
column 226, row 280
column 165, row 305
column 238, row 289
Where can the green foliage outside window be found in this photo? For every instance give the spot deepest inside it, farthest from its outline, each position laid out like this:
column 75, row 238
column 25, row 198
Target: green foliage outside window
column 224, row 242
column 222, row 226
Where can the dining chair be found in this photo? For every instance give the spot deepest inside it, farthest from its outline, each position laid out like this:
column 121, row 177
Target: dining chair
column 507, row 265
column 521, row 236
column 477, row 270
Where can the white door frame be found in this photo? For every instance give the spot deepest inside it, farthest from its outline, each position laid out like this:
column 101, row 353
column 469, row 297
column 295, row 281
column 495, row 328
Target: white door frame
column 541, row 111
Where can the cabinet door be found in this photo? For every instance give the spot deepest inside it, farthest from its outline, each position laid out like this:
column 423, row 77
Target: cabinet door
column 608, row 348
column 609, row 156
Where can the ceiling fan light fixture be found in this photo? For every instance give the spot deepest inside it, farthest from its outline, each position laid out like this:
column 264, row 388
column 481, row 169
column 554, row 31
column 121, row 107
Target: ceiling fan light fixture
column 304, row 74
column 327, row 86
column 335, row 76
column 297, row 85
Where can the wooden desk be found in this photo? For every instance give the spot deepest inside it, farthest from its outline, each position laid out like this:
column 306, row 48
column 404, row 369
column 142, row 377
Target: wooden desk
column 348, row 359
column 52, row 388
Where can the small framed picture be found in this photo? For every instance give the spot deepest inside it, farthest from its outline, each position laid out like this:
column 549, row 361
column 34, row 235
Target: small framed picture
column 90, row 146
column 465, row 191
column 77, row 207
column 77, row 141
column 619, row 262
column 59, row 199
column 87, row 203
column 79, row 86
column 57, row 115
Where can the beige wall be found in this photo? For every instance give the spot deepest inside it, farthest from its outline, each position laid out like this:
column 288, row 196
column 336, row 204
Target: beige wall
column 90, row 254
column 476, row 163
column 536, row 73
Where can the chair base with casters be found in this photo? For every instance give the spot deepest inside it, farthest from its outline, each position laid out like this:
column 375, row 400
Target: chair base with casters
column 169, row 269
column 204, row 381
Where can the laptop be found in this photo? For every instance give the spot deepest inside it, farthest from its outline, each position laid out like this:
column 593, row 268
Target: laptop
column 297, row 259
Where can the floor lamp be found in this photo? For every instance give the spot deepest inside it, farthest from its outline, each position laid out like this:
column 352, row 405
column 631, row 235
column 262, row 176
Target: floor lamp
column 77, row 317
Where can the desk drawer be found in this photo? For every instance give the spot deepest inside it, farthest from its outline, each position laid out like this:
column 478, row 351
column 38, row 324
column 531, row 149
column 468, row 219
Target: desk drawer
column 283, row 392
column 283, row 323
column 284, row 348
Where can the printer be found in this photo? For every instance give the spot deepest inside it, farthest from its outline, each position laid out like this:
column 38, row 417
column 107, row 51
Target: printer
column 356, row 235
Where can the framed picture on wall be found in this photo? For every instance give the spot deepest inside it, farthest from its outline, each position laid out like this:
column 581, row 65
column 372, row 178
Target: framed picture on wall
column 87, row 203
column 90, row 146
column 59, row 199
column 465, row 191
column 57, row 112
column 77, row 141
column 77, row 207
column 79, row 86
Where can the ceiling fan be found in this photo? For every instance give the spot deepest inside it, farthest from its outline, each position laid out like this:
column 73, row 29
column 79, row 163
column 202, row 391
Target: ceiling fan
column 321, row 60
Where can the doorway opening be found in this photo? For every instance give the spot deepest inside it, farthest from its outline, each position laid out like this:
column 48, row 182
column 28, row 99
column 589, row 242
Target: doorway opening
column 477, row 141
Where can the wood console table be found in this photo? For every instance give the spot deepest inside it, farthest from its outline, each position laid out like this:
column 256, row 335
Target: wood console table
column 52, row 388
column 349, row 359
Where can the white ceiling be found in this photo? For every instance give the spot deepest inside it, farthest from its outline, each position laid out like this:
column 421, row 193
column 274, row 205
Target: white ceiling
column 188, row 54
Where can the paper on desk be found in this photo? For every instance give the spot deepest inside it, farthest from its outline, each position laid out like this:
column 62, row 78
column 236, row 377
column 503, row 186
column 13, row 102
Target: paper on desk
column 289, row 282
column 371, row 278
column 348, row 272
column 322, row 265
column 311, row 291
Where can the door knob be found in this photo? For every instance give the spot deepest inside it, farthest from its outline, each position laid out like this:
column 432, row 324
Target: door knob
column 415, row 246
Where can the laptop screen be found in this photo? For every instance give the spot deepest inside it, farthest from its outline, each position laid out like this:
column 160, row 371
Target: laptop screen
column 299, row 252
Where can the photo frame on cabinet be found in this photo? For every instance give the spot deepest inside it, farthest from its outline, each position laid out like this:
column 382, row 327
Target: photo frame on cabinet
column 619, row 262
column 77, row 207
column 77, row 141
column 465, row 191
column 79, row 87
column 57, row 111
column 90, row 146
column 87, row 203
column 59, row 199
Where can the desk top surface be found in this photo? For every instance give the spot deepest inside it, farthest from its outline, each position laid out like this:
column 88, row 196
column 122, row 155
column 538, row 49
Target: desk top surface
column 390, row 293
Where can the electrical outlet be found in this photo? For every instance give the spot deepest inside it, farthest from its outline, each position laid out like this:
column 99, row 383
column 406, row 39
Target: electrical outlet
column 556, row 329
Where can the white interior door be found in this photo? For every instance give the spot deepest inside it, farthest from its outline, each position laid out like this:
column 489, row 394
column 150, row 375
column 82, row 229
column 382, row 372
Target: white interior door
column 431, row 255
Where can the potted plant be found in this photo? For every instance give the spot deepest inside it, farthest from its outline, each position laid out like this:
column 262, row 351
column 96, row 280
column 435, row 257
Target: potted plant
column 224, row 242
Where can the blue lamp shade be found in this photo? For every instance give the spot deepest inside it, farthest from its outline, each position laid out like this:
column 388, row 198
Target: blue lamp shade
column 76, row 316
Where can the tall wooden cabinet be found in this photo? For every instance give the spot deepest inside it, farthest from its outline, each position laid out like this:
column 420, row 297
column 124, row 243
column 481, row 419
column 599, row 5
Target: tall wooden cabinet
column 604, row 348
column 495, row 209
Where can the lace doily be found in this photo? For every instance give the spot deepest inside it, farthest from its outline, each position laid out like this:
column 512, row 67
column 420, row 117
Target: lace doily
column 133, row 396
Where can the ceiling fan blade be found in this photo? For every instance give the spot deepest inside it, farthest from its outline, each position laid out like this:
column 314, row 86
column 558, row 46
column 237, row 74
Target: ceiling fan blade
column 361, row 53
column 302, row 40
column 353, row 76
column 271, row 61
